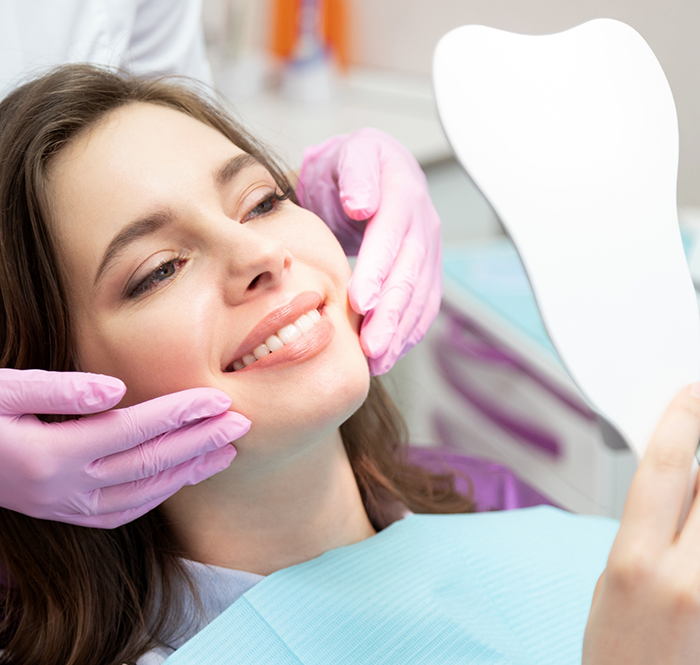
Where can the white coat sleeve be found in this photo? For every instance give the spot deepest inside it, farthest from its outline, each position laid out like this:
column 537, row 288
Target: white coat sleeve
column 168, row 38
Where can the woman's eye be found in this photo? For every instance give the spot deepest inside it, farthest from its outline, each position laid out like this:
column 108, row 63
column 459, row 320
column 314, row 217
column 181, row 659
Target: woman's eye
column 164, row 272
column 265, row 206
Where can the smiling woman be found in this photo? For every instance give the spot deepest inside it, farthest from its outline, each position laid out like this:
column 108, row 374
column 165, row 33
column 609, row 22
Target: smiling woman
column 146, row 236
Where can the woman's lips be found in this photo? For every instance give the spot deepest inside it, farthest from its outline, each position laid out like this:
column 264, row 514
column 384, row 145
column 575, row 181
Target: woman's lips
column 311, row 342
column 276, row 320
column 307, row 346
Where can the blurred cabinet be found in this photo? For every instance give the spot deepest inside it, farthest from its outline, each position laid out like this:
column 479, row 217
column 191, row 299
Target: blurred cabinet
column 464, row 212
column 487, row 382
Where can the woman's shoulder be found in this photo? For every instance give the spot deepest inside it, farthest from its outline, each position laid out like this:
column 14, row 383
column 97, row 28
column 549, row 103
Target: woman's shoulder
column 217, row 589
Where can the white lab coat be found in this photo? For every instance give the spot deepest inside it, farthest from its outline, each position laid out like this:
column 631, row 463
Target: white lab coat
column 146, row 37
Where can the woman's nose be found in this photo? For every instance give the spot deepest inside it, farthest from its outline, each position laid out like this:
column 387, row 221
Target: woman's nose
column 255, row 263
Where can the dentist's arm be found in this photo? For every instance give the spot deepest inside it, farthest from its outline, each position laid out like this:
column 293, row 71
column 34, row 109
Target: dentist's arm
column 107, row 469
column 646, row 607
column 371, row 192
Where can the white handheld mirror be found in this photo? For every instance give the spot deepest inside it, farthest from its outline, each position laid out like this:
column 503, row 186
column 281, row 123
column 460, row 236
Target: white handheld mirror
column 573, row 139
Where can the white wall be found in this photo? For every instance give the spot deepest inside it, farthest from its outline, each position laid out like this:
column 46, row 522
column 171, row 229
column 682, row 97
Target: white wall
column 401, row 35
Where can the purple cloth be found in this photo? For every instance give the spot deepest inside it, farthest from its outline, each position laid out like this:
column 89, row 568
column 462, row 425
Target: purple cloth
column 496, row 487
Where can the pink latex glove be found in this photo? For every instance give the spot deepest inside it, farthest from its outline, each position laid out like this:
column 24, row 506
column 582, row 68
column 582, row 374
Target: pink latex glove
column 107, row 469
column 373, row 195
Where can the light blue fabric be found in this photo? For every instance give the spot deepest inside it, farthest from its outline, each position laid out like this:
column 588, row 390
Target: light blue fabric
column 509, row 587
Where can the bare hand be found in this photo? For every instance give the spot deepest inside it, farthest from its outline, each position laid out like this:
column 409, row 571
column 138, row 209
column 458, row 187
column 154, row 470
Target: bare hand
column 646, row 606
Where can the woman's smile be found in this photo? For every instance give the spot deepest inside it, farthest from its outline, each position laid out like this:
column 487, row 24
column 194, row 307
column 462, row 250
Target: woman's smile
column 177, row 244
column 293, row 332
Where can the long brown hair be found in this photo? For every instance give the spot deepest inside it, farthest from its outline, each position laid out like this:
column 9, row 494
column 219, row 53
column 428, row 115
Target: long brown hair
column 77, row 595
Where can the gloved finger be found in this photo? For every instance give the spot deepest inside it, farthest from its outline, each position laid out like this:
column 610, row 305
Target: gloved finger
column 97, row 436
column 383, row 238
column 70, row 393
column 140, row 496
column 169, row 450
column 429, row 309
column 410, row 331
column 318, row 166
column 399, row 290
column 359, row 177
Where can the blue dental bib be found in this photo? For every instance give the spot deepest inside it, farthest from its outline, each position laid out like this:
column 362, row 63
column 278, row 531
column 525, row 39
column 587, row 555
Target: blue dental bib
column 509, row 587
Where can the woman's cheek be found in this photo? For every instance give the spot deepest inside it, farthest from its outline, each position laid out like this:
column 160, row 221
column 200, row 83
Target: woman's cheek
column 153, row 355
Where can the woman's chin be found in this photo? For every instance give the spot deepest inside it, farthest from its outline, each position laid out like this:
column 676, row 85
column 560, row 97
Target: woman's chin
column 294, row 417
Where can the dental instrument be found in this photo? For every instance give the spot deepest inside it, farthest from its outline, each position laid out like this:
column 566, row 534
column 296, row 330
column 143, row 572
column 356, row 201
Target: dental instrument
column 573, row 139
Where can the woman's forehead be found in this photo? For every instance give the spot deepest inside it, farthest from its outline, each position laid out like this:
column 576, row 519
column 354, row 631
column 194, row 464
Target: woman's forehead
column 137, row 130
column 139, row 151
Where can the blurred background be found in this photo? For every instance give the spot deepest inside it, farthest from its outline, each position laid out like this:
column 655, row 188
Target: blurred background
column 486, row 382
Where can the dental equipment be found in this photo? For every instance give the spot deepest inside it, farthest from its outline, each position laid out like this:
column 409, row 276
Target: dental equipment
column 573, row 139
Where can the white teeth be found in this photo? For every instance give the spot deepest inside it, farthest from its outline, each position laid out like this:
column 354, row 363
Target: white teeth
column 304, row 323
column 274, row 343
column 284, row 336
column 260, row 351
column 289, row 333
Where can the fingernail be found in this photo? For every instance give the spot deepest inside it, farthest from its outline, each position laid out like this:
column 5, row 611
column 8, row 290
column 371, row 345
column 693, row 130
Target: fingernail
column 217, row 461
column 377, row 368
column 235, row 423
column 208, row 404
column 105, row 389
column 355, row 299
column 367, row 302
column 228, row 454
column 363, row 301
column 228, row 451
column 222, row 399
column 358, row 212
column 357, row 205
column 108, row 386
column 377, row 344
column 695, row 390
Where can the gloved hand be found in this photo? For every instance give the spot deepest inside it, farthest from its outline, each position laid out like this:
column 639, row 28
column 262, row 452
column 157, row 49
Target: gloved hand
column 368, row 183
column 107, row 469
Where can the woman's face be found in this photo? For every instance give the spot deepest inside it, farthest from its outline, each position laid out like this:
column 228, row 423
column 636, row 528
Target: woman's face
column 181, row 262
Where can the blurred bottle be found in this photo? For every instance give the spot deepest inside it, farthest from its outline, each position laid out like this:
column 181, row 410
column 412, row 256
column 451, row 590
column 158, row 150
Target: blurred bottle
column 309, row 38
column 235, row 32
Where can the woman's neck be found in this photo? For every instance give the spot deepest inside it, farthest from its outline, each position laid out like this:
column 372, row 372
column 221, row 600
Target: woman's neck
column 261, row 518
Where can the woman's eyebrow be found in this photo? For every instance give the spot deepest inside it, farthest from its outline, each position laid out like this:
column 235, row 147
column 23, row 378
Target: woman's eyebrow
column 157, row 220
column 233, row 167
column 132, row 232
